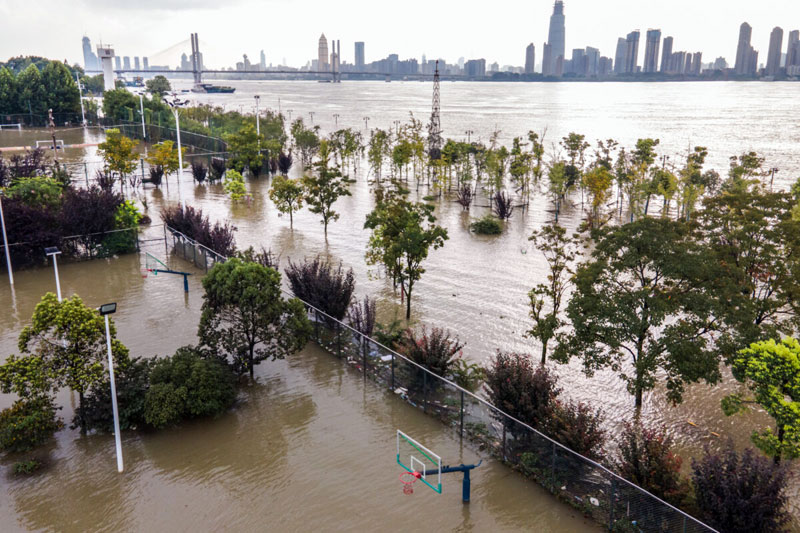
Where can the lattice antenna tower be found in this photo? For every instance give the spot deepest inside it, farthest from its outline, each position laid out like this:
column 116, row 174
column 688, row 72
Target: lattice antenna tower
column 435, row 127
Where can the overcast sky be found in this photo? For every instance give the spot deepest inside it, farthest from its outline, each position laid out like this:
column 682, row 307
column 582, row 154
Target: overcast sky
column 497, row 30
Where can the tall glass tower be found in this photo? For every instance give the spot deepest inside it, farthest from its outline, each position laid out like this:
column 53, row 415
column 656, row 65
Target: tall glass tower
column 556, row 40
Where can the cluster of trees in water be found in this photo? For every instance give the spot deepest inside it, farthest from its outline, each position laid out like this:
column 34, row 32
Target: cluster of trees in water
column 34, row 85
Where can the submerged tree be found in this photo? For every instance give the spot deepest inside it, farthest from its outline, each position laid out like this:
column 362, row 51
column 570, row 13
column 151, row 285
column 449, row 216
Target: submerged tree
column 640, row 298
column 323, row 187
column 245, row 318
column 287, row 195
column 560, row 251
column 119, row 153
column 403, row 233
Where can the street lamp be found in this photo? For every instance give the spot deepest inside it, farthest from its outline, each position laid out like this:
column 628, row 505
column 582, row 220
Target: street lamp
column 366, row 123
column 175, row 105
column 105, row 310
column 53, row 251
column 469, row 135
column 258, row 122
column 774, row 171
column 290, row 114
column 5, row 242
column 397, row 127
column 312, row 116
column 80, row 95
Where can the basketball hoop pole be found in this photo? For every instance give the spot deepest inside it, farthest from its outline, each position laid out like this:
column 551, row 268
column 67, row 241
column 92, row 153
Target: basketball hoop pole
column 465, row 484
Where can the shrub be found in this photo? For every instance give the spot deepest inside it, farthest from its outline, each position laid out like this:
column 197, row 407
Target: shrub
column 521, row 389
column 285, row 163
column 362, row 316
column 105, row 180
column 26, row 468
column 741, row 492
column 468, row 375
column 156, row 175
column 487, row 225
column 263, row 257
column 31, row 163
column 199, row 171
column 217, row 169
column 645, row 458
column 132, row 382
column 234, row 185
column 503, row 205
column 126, row 217
column 578, row 427
column 318, row 283
column 187, row 385
column 28, row 424
column 436, row 351
column 192, row 223
column 465, row 196
column 38, row 192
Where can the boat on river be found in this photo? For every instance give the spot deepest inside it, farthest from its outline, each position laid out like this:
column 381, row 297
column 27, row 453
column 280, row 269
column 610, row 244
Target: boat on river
column 212, row 89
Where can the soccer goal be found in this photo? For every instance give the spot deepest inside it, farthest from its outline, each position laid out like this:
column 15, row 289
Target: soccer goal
column 11, row 127
column 49, row 144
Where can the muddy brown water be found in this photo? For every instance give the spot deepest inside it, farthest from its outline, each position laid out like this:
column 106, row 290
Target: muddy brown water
column 475, row 286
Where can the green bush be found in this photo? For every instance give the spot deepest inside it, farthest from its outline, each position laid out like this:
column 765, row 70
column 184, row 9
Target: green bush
column 26, row 467
column 28, row 424
column 37, row 192
column 187, row 385
column 126, row 217
column 487, row 225
column 132, row 381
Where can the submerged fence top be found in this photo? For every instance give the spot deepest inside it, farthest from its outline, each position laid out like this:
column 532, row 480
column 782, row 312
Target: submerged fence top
column 395, row 355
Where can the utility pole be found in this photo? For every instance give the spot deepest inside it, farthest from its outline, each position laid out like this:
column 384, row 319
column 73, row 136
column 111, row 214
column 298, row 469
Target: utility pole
column 52, row 125
column 435, row 126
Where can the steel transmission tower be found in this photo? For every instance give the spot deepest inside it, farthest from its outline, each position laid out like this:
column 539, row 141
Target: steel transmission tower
column 435, row 127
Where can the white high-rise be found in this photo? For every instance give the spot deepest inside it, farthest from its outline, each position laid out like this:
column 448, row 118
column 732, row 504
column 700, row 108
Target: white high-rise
column 322, row 56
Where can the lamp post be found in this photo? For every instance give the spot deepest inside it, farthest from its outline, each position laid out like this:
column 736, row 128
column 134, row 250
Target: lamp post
column 258, row 121
column 366, row 123
column 397, row 127
column 311, row 113
column 80, row 95
column 469, row 135
column 54, row 252
column 175, row 105
column 105, row 310
column 290, row 115
column 5, row 242
column 336, row 119
column 773, row 171
column 141, row 112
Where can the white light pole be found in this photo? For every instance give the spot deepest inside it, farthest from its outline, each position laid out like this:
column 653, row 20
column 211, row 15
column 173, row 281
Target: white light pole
column 175, row 105
column 53, row 251
column 141, row 111
column 258, row 123
column 5, row 242
column 80, row 94
column 106, row 310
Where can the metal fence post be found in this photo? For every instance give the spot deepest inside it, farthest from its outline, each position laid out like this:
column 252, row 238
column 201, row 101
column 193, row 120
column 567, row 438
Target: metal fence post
column 392, row 371
column 364, row 348
column 425, row 391
column 553, row 469
column 166, row 246
column 141, row 165
column 316, row 325
column 461, row 424
column 611, row 504
column 504, row 440
column 339, row 338
column 136, row 232
column 86, row 173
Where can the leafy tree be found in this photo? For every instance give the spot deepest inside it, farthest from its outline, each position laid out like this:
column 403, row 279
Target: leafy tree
column 741, row 492
column 560, row 251
column 755, row 244
column 378, row 148
column 245, row 317
column 164, row 156
column 318, row 283
column 65, row 346
column 287, row 195
column 234, row 185
column 771, row 371
column 403, row 233
column 61, row 89
column 598, row 182
column 158, row 86
column 307, row 141
column 244, row 147
column 187, row 385
column 119, row 153
column 645, row 457
column 118, row 103
column 93, row 84
column 27, row 424
column 639, row 298
column 31, row 92
column 9, row 100
column 323, row 187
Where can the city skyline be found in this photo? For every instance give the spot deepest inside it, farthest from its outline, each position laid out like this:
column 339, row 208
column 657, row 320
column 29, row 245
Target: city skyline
column 711, row 28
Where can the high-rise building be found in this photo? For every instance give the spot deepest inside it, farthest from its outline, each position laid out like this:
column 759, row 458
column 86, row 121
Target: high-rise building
column 126, row 62
column 605, row 66
column 577, row 65
column 720, row 64
column 774, row 53
column 557, row 40
column 666, row 54
column 360, row 56
column 246, row 62
column 530, row 59
column 697, row 63
column 592, row 61
column 145, row 63
column 117, row 63
column 185, row 65
column 90, row 61
column 322, row 54
column 677, row 64
column 620, row 55
column 475, row 68
column 743, row 49
column 651, row 50
column 632, row 52
column 547, row 57
column 793, row 50
column 136, row 64
column 263, row 61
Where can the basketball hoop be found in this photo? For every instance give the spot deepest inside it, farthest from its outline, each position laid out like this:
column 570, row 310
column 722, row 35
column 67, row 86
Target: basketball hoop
column 408, row 479
column 145, row 271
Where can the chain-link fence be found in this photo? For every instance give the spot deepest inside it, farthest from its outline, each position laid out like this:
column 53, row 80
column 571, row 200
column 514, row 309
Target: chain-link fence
column 155, row 133
column 590, row 487
column 31, row 120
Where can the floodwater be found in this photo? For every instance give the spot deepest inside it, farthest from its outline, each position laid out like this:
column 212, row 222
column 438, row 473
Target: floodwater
column 476, row 286
column 309, row 447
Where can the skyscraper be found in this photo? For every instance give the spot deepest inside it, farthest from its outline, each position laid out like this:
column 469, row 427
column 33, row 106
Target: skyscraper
column 774, row 53
column 651, row 50
column 145, row 63
column 136, row 63
column 89, row 57
column 697, row 63
column 743, row 49
column 547, row 59
column 263, row 61
column 632, row 52
column 117, row 63
column 360, row 56
column 620, row 55
column 126, row 62
column 322, row 54
column 666, row 54
column 557, row 41
column 592, row 61
column 793, row 53
column 530, row 59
